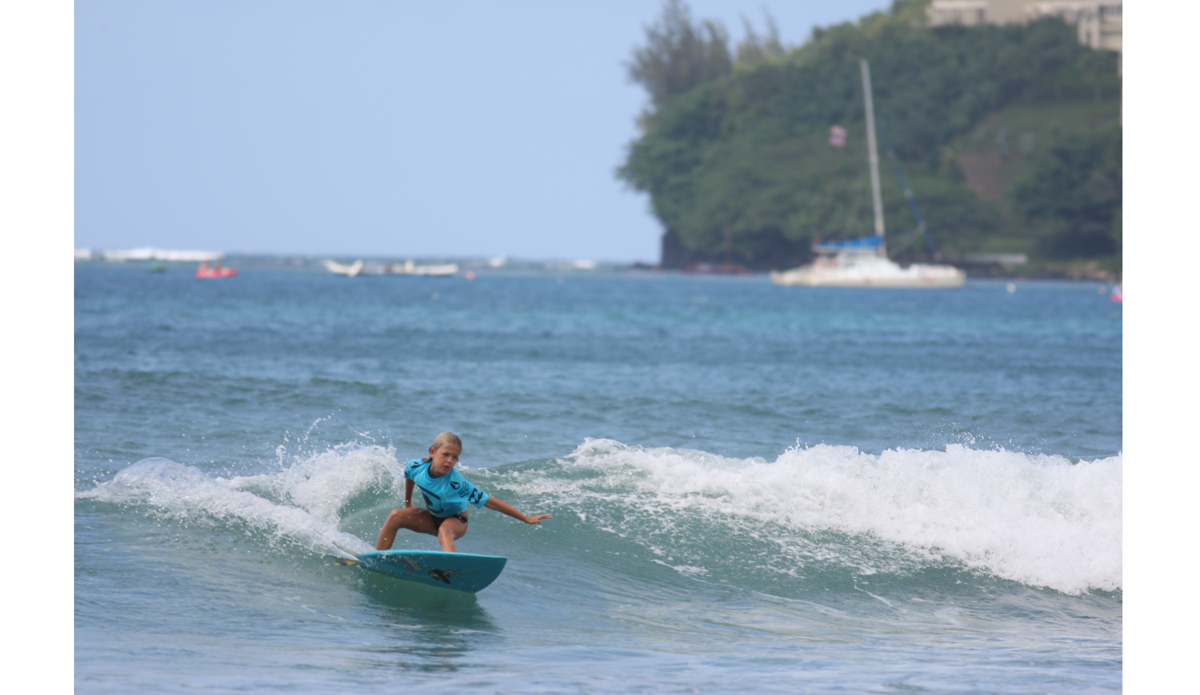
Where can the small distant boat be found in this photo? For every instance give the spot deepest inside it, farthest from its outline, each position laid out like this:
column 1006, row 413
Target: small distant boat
column 348, row 270
column 411, row 268
column 216, row 271
column 149, row 253
column 1115, row 295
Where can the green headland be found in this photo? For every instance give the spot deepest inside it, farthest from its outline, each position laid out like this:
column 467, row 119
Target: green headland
column 1009, row 137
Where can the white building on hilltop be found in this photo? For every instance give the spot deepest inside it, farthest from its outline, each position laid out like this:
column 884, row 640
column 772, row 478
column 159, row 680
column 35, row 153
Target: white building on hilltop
column 1098, row 21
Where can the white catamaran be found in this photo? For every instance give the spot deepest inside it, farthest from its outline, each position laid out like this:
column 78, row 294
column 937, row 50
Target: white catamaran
column 864, row 262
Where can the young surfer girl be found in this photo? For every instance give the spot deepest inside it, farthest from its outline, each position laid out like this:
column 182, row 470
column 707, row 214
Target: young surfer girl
column 446, row 495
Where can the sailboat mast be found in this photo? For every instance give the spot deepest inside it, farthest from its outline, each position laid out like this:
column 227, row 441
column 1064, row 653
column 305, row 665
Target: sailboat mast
column 873, row 156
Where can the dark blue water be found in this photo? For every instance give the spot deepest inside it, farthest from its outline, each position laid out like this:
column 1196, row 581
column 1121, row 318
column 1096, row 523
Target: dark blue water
column 754, row 487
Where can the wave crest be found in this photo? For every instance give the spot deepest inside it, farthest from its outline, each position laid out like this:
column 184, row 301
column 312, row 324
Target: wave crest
column 1040, row 520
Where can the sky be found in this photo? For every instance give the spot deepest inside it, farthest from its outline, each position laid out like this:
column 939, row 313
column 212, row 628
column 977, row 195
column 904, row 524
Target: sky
column 455, row 129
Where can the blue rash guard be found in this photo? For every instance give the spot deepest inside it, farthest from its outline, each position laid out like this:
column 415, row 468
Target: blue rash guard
column 447, row 495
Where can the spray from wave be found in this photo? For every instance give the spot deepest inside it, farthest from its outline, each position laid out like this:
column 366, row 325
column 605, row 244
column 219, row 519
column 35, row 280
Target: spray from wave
column 300, row 506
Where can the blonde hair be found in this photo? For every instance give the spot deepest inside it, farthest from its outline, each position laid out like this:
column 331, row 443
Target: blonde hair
column 442, row 440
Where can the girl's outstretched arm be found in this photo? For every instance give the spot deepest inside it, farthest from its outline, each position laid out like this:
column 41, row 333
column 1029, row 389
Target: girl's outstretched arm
column 506, row 508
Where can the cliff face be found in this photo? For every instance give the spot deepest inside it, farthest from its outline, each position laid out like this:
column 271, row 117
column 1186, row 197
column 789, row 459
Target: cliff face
column 1001, row 148
column 1028, row 151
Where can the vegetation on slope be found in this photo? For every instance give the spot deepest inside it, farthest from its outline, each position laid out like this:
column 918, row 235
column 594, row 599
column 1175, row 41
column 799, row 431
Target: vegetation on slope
column 736, row 157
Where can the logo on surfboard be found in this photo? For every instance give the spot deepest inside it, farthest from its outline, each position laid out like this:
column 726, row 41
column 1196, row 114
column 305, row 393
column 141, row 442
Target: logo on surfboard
column 443, row 575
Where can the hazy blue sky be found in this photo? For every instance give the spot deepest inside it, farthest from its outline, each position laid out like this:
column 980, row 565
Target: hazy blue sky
column 374, row 128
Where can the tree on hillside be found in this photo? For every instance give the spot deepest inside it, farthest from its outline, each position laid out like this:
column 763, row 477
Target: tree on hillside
column 679, row 55
column 754, row 48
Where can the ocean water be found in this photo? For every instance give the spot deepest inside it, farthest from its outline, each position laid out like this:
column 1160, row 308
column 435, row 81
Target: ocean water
column 754, row 488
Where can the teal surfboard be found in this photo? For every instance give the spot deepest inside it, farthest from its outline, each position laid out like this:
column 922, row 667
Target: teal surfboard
column 460, row 571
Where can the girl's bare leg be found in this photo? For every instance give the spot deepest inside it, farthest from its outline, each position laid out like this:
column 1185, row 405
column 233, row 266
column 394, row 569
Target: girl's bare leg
column 452, row 529
column 411, row 518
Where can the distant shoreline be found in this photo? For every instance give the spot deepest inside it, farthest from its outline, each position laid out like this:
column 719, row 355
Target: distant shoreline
column 1075, row 271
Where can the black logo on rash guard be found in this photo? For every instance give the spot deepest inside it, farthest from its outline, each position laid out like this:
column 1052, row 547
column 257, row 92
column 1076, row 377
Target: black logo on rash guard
column 475, row 496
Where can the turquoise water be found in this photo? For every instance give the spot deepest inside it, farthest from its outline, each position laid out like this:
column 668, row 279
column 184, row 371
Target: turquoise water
column 754, row 488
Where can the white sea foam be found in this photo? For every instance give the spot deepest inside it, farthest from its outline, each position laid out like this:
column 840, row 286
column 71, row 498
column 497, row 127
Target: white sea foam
column 1040, row 520
column 299, row 504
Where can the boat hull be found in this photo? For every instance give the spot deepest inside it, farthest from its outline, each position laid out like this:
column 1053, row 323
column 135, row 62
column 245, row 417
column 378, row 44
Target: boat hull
column 889, row 276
